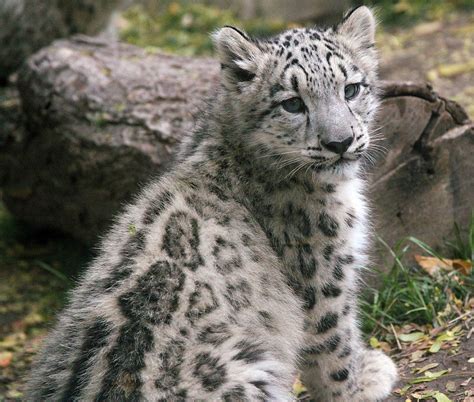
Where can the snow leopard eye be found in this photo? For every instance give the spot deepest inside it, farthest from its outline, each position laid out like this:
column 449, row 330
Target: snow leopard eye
column 293, row 105
column 351, row 91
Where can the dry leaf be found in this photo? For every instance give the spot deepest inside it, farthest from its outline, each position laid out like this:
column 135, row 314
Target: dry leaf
column 446, row 336
column 433, row 265
column 402, row 391
column 5, row 359
column 425, row 368
column 416, row 355
column 374, row 342
column 463, row 266
column 439, row 396
column 429, row 376
column 412, row 337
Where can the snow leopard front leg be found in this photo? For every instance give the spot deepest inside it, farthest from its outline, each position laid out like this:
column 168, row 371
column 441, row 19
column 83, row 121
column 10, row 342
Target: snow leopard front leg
column 337, row 367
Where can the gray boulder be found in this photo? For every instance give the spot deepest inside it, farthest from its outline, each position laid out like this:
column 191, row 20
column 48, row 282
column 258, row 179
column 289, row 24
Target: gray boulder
column 28, row 25
column 100, row 119
column 424, row 183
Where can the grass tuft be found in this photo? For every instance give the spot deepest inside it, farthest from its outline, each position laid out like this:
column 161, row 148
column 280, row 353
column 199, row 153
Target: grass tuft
column 409, row 295
column 460, row 247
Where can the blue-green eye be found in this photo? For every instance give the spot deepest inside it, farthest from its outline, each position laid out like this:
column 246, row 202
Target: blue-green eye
column 351, row 91
column 293, row 105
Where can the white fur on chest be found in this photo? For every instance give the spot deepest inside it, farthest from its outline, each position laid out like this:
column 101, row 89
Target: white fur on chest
column 351, row 196
column 345, row 205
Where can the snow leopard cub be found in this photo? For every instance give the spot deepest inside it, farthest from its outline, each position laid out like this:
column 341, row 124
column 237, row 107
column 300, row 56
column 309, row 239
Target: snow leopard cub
column 242, row 266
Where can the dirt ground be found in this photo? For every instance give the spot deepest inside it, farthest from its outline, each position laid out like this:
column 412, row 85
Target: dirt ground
column 32, row 285
column 457, row 383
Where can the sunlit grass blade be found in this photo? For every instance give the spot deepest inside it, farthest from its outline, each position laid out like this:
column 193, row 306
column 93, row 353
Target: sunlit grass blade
column 52, row 271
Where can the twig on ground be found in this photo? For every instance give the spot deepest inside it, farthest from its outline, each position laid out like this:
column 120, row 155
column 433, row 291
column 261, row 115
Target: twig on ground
column 396, row 337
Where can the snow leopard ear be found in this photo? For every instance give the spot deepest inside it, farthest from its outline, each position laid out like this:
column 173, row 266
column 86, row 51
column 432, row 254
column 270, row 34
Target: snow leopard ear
column 358, row 25
column 238, row 54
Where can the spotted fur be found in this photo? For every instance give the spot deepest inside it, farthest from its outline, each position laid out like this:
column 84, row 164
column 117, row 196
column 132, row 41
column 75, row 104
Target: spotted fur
column 244, row 263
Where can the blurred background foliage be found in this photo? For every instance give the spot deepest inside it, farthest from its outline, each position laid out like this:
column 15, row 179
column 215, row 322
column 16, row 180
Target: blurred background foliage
column 183, row 27
column 406, row 12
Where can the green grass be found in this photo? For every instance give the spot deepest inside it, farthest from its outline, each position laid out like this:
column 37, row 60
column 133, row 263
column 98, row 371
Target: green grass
column 462, row 247
column 407, row 12
column 184, row 28
column 409, row 295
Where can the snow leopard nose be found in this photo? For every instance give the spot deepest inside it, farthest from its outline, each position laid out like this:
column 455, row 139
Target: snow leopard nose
column 338, row 147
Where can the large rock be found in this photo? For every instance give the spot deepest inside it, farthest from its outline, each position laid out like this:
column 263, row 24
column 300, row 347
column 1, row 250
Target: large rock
column 102, row 118
column 423, row 184
column 28, row 25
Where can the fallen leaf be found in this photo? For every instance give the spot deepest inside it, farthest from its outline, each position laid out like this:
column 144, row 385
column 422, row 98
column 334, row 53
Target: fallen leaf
column 439, row 396
column 385, row 346
column 428, row 377
column 433, row 265
column 435, row 347
column 416, row 355
column 471, row 360
column 446, row 336
column 5, row 359
column 463, row 266
column 374, row 342
column 413, row 337
column 425, row 368
column 402, row 391
column 456, row 329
